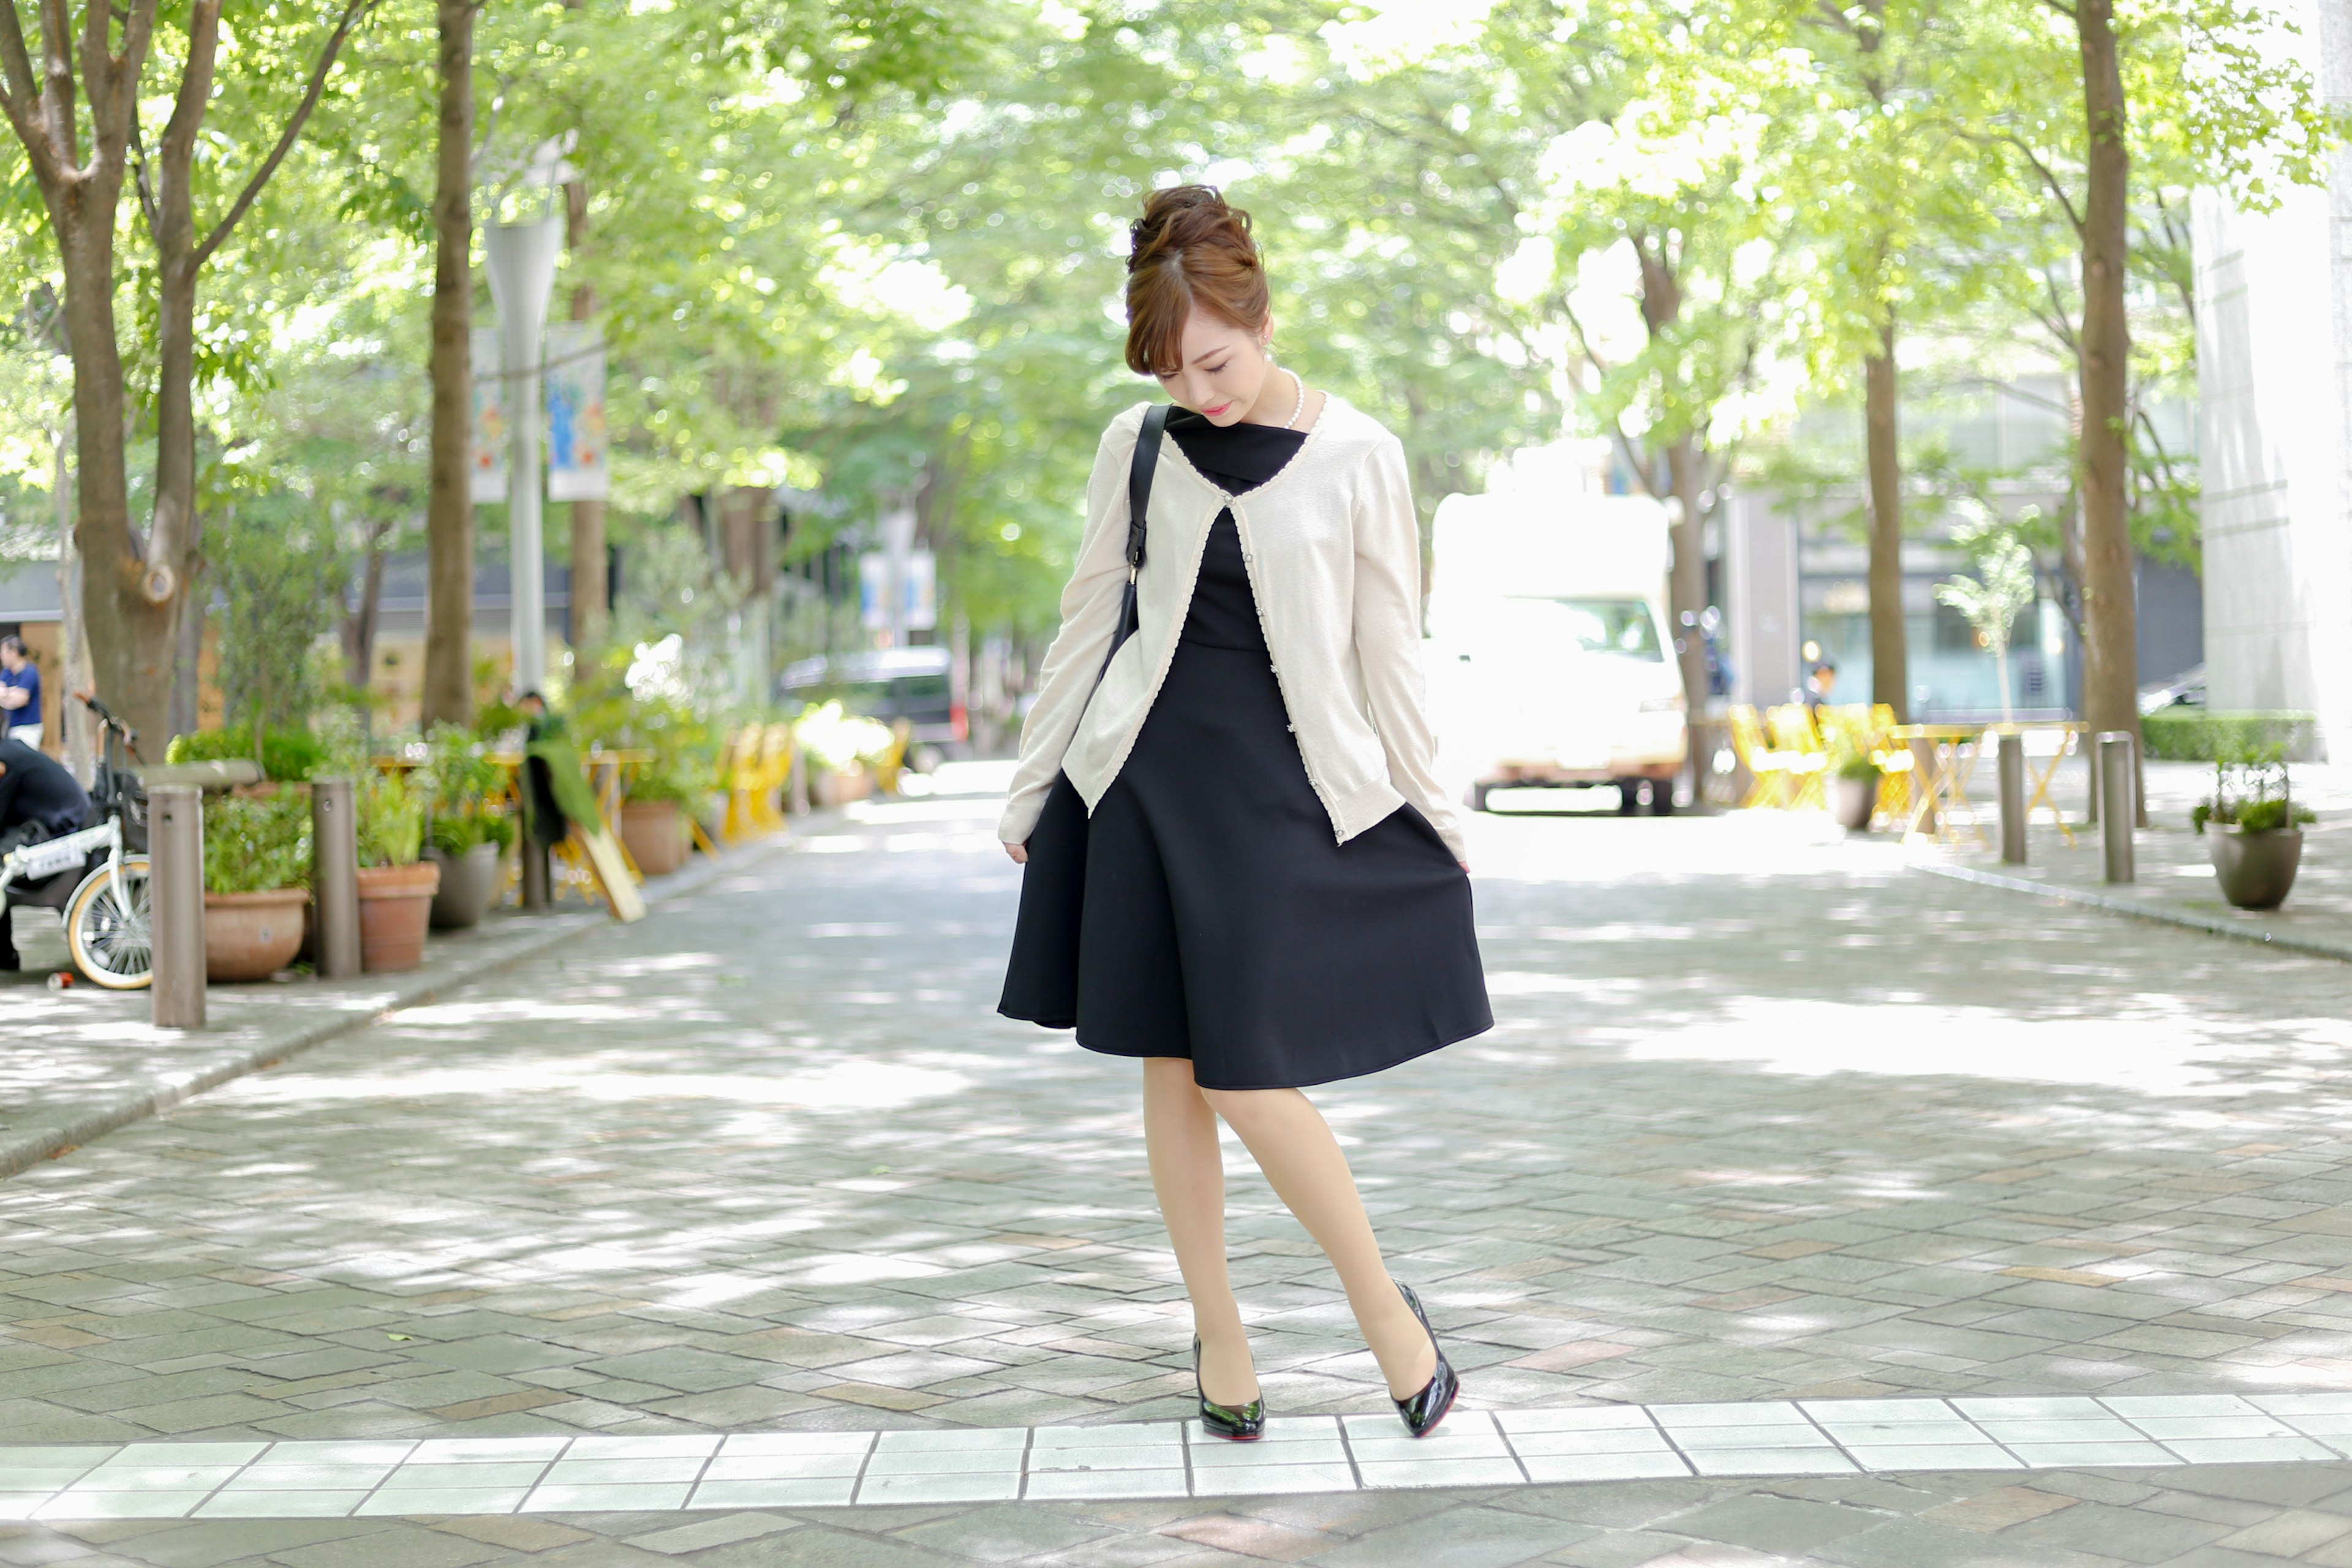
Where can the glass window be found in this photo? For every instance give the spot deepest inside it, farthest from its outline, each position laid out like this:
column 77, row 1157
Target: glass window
column 1621, row 627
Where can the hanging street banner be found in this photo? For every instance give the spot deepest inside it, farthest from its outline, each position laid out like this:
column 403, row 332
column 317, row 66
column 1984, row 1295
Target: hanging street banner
column 487, row 458
column 574, row 373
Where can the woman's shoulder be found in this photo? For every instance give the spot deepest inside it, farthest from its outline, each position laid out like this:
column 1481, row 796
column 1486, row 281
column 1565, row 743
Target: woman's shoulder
column 1124, row 424
column 1347, row 435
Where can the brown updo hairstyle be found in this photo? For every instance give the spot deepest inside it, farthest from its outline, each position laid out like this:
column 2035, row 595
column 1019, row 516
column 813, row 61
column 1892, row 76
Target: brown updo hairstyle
column 1189, row 249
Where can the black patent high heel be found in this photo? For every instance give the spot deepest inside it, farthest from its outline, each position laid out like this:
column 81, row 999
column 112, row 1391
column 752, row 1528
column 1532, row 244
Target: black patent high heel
column 1424, row 1410
column 1238, row 1423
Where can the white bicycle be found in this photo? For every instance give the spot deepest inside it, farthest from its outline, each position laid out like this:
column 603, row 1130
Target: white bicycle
column 96, row 878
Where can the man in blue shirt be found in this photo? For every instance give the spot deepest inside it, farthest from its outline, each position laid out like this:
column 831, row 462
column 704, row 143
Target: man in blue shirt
column 20, row 693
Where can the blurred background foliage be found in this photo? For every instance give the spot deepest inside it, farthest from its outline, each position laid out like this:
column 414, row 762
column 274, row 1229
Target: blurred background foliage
column 856, row 247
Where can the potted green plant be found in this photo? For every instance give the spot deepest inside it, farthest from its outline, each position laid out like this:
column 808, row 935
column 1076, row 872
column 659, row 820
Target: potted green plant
column 2259, row 846
column 654, row 814
column 841, row 749
column 256, row 883
column 466, row 832
column 1853, row 783
column 396, row 884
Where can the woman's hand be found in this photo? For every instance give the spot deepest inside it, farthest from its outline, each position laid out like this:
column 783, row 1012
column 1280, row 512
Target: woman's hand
column 1465, row 865
column 1020, row 853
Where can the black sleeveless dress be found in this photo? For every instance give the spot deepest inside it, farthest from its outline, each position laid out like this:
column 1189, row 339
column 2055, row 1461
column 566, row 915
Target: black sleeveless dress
column 1215, row 918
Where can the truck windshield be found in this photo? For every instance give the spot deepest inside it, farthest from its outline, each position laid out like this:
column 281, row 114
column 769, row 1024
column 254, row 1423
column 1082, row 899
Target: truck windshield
column 1621, row 627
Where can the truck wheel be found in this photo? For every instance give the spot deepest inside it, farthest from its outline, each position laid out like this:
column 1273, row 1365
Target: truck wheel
column 1628, row 797
column 1478, row 797
column 1661, row 797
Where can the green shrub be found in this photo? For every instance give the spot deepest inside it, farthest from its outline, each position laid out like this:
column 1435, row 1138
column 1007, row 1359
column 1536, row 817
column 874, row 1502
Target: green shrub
column 287, row 756
column 456, row 832
column 255, row 844
column 2183, row 734
column 391, row 819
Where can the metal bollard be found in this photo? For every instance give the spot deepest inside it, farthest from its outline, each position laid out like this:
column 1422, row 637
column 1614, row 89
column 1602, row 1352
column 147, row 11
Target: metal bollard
column 2012, row 799
column 335, row 877
column 175, row 891
column 2117, row 808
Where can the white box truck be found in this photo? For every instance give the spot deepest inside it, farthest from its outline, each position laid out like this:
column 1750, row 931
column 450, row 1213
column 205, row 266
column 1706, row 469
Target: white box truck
column 1550, row 657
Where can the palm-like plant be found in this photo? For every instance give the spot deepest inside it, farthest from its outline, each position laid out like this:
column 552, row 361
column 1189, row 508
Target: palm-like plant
column 1993, row 598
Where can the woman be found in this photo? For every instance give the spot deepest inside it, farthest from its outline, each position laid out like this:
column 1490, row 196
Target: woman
column 1239, row 865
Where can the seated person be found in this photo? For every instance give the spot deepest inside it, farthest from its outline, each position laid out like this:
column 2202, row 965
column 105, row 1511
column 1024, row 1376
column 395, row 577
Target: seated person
column 38, row 801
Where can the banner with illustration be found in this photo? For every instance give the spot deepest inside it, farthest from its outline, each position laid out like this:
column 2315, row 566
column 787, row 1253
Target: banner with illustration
column 487, row 459
column 575, row 372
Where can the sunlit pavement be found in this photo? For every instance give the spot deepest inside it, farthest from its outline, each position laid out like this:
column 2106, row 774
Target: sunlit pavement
column 1766, row 1118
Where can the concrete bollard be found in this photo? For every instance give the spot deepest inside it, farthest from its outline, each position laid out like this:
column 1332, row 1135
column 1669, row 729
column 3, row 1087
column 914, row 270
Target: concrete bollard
column 2012, row 799
column 2118, row 810
column 175, row 891
column 335, row 877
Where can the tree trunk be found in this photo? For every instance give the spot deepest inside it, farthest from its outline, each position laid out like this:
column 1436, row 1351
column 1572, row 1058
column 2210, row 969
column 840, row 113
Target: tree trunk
column 76, row 728
column 128, row 635
column 187, row 662
column 1686, row 586
column 1890, row 664
column 360, row 621
column 2110, row 646
column 590, row 592
column 449, row 507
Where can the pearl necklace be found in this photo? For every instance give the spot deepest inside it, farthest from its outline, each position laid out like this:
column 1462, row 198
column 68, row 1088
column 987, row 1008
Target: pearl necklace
column 1299, row 407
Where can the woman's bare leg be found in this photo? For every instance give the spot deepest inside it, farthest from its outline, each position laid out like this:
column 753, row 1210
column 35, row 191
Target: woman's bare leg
column 1188, row 1172
column 1294, row 1146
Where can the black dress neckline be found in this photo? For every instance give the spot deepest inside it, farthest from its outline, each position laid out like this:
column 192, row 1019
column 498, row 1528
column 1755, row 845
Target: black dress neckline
column 1234, row 458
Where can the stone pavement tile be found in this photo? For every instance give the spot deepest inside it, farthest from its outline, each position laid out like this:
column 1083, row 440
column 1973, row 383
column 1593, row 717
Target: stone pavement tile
column 2290, row 1534
column 1925, row 1544
column 1251, row 1537
column 518, row 1533
column 2128, row 1533
column 821, row 1546
column 1996, row 1511
column 1769, row 1523
column 1467, row 1536
column 390, row 1549
column 1002, row 1535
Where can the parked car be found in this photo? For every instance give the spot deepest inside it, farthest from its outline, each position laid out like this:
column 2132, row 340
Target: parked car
column 911, row 683
column 1551, row 665
column 2186, row 690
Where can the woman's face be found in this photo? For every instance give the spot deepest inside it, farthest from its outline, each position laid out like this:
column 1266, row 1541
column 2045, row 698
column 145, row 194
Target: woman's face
column 1224, row 370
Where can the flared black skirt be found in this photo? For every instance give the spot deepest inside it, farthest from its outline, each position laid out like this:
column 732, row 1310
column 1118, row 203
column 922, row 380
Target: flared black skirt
column 1205, row 911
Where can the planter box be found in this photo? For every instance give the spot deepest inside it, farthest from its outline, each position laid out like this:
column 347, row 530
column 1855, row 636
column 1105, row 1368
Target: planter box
column 469, row 885
column 2256, row 871
column 252, row 936
column 395, row 905
column 654, row 832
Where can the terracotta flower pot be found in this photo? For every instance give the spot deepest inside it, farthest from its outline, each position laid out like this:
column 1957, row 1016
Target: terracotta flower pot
column 841, row 788
column 2256, row 871
column 395, row 903
column 252, row 936
column 1853, row 801
column 654, row 832
column 469, row 883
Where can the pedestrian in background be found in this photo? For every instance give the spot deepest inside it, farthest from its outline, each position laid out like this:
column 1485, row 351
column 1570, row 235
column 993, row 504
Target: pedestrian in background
column 20, row 693
column 1240, row 865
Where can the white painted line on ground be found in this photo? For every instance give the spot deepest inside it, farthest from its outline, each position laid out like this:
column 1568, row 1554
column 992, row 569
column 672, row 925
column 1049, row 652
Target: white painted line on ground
column 686, row 1472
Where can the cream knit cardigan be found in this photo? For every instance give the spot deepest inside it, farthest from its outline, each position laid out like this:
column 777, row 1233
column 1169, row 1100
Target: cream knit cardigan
column 1334, row 559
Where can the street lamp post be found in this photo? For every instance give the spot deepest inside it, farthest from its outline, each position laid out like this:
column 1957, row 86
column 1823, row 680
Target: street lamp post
column 521, row 259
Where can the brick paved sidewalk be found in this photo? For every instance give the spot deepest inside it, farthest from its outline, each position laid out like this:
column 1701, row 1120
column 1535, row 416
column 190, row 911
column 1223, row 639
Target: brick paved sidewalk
column 76, row 1064
column 1763, row 1118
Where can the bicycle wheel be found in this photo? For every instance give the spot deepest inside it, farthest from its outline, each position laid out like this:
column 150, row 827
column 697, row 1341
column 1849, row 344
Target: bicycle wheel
column 110, row 938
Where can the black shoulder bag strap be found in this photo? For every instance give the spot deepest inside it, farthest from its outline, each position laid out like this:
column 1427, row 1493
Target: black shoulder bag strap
column 1139, row 497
